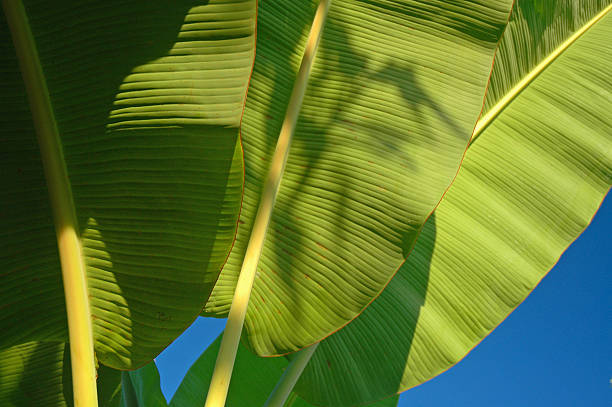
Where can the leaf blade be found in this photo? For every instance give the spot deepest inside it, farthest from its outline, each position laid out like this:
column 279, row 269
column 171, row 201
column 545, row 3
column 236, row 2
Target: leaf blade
column 372, row 122
column 527, row 188
column 148, row 100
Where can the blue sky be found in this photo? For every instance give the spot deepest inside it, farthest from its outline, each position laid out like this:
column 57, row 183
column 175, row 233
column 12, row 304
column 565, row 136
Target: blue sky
column 554, row 350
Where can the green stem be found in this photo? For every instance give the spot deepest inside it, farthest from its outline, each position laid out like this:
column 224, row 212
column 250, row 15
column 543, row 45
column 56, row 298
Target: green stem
column 229, row 344
column 62, row 205
column 290, row 377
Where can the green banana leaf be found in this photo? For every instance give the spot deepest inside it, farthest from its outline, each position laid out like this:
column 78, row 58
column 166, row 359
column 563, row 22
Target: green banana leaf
column 38, row 374
column 529, row 185
column 394, row 93
column 253, row 380
column 148, row 97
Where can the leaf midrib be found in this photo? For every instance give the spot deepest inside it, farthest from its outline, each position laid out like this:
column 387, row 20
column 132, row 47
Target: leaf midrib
column 512, row 94
column 229, row 345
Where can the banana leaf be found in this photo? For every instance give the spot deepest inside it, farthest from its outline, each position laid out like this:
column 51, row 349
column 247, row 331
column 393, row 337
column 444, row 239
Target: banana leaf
column 147, row 98
column 392, row 99
column 530, row 183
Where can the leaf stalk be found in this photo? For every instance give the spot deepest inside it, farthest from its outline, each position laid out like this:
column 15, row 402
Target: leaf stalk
column 290, row 376
column 220, row 381
column 62, row 205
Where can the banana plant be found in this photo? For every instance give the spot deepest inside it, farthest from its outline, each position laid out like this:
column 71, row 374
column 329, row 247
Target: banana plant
column 535, row 173
column 137, row 109
column 388, row 94
column 373, row 148
column 538, row 166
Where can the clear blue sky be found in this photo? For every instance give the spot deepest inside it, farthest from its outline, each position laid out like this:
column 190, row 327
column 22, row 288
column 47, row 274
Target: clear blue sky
column 554, row 350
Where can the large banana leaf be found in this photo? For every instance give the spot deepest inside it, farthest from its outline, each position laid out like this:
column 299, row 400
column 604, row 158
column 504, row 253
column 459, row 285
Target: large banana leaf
column 529, row 185
column 392, row 99
column 148, row 97
column 38, row 374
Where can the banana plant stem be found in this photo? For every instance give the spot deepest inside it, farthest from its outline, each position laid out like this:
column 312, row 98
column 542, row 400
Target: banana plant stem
column 220, row 381
column 62, row 206
column 290, row 376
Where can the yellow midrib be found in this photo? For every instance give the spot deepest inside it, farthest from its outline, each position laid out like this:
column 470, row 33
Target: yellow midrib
column 523, row 83
column 62, row 206
column 220, row 380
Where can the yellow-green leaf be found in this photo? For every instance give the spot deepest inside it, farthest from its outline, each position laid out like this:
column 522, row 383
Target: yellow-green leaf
column 393, row 96
column 529, row 185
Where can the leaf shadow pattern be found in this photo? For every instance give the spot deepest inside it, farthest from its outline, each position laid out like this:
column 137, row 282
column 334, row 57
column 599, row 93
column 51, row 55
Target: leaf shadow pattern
column 156, row 175
column 319, row 180
column 394, row 359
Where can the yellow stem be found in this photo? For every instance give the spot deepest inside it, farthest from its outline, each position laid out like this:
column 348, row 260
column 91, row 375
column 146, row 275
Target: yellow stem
column 62, row 205
column 219, row 384
column 518, row 88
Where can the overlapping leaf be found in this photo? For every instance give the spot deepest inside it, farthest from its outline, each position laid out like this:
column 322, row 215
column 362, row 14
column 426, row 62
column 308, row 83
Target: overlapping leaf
column 529, row 185
column 148, row 97
column 253, row 380
column 393, row 97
